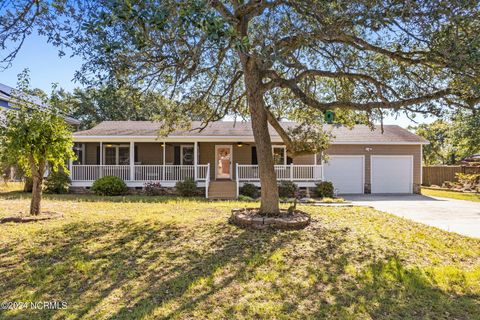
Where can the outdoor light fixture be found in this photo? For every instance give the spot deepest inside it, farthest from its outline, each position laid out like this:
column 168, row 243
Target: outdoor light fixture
column 368, row 149
column 239, row 144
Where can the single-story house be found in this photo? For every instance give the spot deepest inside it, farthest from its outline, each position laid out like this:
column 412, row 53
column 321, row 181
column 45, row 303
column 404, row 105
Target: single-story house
column 222, row 157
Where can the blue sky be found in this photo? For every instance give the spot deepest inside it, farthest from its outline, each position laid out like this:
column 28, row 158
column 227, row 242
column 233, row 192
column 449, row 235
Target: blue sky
column 46, row 67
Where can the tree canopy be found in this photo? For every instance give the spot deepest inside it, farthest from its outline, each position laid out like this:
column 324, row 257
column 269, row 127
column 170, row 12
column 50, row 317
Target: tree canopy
column 452, row 138
column 94, row 105
column 32, row 137
column 267, row 59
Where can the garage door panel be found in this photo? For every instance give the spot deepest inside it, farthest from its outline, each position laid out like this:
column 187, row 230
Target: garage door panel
column 391, row 174
column 346, row 173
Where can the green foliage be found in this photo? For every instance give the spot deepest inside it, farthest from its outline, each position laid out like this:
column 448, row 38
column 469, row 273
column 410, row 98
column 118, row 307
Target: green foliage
column 469, row 181
column 245, row 198
column 57, row 182
column 249, row 190
column 287, row 189
column 33, row 136
column 108, row 103
column 109, row 186
column 187, row 187
column 324, row 189
column 451, row 139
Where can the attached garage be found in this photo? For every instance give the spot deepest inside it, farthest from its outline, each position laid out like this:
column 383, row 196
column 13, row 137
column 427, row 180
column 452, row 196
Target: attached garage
column 346, row 172
column 392, row 174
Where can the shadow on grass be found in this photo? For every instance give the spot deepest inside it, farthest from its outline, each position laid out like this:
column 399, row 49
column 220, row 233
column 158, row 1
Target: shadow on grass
column 13, row 195
column 132, row 270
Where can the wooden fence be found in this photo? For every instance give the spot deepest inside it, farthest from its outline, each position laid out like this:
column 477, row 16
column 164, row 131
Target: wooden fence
column 439, row 174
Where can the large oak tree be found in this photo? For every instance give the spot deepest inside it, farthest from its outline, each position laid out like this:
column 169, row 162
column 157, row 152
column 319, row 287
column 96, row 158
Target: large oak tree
column 260, row 57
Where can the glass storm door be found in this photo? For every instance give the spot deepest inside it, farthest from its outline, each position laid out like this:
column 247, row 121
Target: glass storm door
column 223, row 162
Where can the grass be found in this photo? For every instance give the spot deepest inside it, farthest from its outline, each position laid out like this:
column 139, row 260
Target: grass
column 166, row 258
column 452, row 194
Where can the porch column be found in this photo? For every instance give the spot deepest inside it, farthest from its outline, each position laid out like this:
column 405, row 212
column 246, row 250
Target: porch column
column 164, row 152
column 195, row 160
column 69, row 169
column 132, row 160
column 100, row 170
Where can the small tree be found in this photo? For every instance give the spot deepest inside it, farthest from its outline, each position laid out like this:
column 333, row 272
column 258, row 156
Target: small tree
column 33, row 136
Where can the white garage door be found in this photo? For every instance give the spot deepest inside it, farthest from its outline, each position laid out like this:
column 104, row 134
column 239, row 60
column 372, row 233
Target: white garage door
column 346, row 173
column 392, row 174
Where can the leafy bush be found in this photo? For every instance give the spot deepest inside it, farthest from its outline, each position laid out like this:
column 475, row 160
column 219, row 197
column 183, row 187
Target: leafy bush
column 249, row 190
column 153, row 188
column 109, row 186
column 187, row 187
column 287, row 189
column 468, row 181
column 57, row 182
column 325, row 189
column 245, row 198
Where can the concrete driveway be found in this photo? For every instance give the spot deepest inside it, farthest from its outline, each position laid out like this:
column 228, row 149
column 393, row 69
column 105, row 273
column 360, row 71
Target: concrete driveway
column 458, row 216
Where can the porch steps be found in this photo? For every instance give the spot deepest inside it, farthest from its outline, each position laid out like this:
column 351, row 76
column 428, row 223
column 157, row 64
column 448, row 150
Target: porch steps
column 222, row 190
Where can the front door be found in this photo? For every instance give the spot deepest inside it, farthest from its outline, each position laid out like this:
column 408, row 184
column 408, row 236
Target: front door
column 223, row 161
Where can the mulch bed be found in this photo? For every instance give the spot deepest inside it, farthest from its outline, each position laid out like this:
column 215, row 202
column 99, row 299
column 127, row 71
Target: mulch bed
column 251, row 218
column 47, row 215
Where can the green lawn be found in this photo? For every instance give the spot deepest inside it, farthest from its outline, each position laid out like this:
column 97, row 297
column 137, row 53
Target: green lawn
column 451, row 194
column 125, row 258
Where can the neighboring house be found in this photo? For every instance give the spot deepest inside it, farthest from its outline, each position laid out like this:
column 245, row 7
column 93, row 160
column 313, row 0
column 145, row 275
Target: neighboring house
column 7, row 103
column 223, row 157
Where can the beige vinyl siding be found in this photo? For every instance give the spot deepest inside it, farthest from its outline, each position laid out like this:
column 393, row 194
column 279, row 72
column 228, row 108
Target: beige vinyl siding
column 241, row 155
column 349, row 149
column 149, row 153
column 308, row 159
column 91, row 152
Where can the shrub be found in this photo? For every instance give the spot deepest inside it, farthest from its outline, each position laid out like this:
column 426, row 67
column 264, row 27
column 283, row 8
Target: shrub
column 287, row 189
column 109, row 186
column 153, row 188
column 325, row 189
column 468, row 181
column 249, row 190
column 187, row 187
column 57, row 182
column 245, row 198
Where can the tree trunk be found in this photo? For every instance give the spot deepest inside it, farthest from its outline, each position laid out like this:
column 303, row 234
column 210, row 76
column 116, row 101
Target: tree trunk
column 37, row 171
column 35, row 204
column 268, row 179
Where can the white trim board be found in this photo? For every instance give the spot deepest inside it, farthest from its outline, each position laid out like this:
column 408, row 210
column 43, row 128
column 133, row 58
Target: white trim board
column 217, row 139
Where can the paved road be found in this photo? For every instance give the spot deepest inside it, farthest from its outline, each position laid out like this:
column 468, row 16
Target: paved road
column 448, row 214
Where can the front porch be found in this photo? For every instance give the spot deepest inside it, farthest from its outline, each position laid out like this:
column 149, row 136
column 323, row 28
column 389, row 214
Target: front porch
column 170, row 162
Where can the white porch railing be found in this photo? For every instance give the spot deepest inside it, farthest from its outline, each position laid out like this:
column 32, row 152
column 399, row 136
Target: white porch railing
column 141, row 172
column 170, row 172
column 284, row 172
column 93, row 172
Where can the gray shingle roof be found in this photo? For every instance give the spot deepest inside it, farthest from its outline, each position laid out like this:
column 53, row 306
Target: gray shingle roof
column 359, row 133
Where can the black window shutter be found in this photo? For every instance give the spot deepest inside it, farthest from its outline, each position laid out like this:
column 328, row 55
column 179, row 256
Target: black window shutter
column 98, row 154
column 289, row 160
column 254, row 155
column 135, row 155
column 176, row 155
